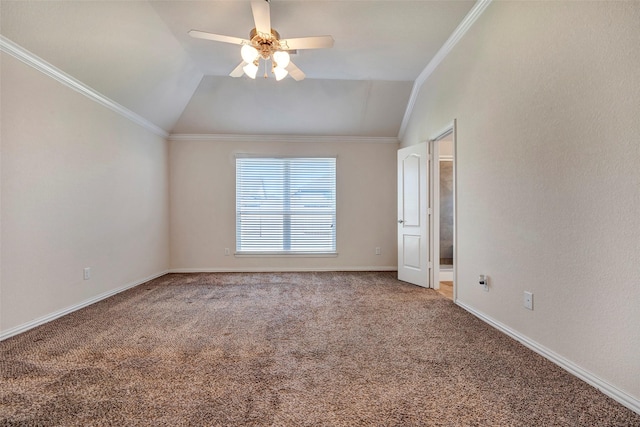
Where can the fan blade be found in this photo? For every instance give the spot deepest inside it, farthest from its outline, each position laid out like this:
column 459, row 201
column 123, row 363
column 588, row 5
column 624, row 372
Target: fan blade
column 261, row 16
column 317, row 42
column 295, row 72
column 238, row 71
column 217, row 37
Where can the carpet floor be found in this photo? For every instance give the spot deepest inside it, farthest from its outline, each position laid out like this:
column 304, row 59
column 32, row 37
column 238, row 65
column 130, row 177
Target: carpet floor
column 286, row 349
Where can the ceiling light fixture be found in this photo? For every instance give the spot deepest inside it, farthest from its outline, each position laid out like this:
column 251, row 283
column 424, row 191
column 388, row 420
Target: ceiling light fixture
column 266, row 47
column 264, row 43
column 280, row 73
column 248, row 53
column 251, row 69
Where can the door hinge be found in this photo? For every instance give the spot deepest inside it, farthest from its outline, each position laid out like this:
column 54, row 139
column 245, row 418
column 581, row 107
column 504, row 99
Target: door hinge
column 429, row 264
column 429, row 211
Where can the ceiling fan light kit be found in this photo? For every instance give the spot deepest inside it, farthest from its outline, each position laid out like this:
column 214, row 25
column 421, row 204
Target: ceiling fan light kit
column 248, row 53
column 280, row 73
column 264, row 43
column 265, row 47
column 251, row 70
column 281, row 58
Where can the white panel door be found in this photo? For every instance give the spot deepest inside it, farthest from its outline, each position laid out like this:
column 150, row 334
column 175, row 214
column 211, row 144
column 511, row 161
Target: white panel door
column 413, row 218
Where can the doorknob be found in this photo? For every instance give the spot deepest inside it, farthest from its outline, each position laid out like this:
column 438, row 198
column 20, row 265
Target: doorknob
column 400, row 221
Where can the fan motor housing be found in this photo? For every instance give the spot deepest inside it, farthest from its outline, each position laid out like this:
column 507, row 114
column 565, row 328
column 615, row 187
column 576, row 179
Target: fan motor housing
column 266, row 44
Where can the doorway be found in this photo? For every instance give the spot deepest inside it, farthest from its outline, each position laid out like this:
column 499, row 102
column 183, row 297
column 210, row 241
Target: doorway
column 427, row 213
column 443, row 202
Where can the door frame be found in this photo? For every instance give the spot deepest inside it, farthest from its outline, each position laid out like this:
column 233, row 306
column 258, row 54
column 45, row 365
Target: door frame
column 434, row 202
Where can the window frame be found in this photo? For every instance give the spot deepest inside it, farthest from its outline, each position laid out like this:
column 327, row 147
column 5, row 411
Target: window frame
column 286, row 253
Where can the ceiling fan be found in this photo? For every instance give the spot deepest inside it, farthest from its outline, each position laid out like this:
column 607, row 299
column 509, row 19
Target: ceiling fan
column 265, row 43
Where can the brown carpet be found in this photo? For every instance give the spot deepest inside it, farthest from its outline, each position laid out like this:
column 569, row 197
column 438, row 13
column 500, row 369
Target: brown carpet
column 296, row 349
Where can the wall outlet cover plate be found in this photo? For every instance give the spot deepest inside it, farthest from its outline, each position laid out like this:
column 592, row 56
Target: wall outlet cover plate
column 528, row 300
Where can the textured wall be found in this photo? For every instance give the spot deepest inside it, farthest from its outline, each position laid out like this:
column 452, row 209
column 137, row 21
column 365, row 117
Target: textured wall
column 81, row 187
column 202, row 182
column 546, row 100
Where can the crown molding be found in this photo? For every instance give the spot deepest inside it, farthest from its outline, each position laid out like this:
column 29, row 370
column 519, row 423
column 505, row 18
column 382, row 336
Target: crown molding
column 447, row 47
column 44, row 67
column 282, row 138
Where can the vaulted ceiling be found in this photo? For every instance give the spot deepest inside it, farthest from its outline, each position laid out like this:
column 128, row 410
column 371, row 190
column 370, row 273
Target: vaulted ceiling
column 138, row 53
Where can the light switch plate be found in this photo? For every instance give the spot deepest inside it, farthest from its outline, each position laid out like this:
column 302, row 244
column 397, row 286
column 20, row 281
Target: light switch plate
column 528, row 300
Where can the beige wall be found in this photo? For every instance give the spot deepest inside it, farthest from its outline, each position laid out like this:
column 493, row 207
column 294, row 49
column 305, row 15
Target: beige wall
column 548, row 174
column 202, row 186
column 81, row 187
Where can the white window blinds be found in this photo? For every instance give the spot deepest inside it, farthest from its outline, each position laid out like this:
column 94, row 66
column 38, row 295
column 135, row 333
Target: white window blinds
column 285, row 205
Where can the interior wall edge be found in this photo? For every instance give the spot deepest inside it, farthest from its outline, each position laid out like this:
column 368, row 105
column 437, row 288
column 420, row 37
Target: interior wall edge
column 586, row 376
column 59, row 313
column 32, row 60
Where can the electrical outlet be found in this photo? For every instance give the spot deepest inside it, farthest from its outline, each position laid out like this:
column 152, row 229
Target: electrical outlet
column 87, row 273
column 227, row 252
column 378, row 251
column 483, row 280
column 528, row 300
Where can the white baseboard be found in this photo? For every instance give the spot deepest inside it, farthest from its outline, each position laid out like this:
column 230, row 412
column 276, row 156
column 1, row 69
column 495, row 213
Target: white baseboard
column 279, row 269
column 52, row 316
column 586, row 376
column 49, row 317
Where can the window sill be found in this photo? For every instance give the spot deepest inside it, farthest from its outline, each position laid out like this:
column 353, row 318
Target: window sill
column 285, row 255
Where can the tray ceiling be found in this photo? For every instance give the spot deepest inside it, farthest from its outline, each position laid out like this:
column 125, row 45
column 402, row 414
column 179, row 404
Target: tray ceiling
column 138, row 53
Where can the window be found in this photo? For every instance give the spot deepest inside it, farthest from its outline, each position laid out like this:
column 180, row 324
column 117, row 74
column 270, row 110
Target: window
column 285, row 205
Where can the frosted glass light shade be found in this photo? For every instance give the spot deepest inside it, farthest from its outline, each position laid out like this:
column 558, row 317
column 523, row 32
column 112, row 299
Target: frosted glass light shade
column 280, row 73
column 248, row 53
column 250, row 70
column 281, row 58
